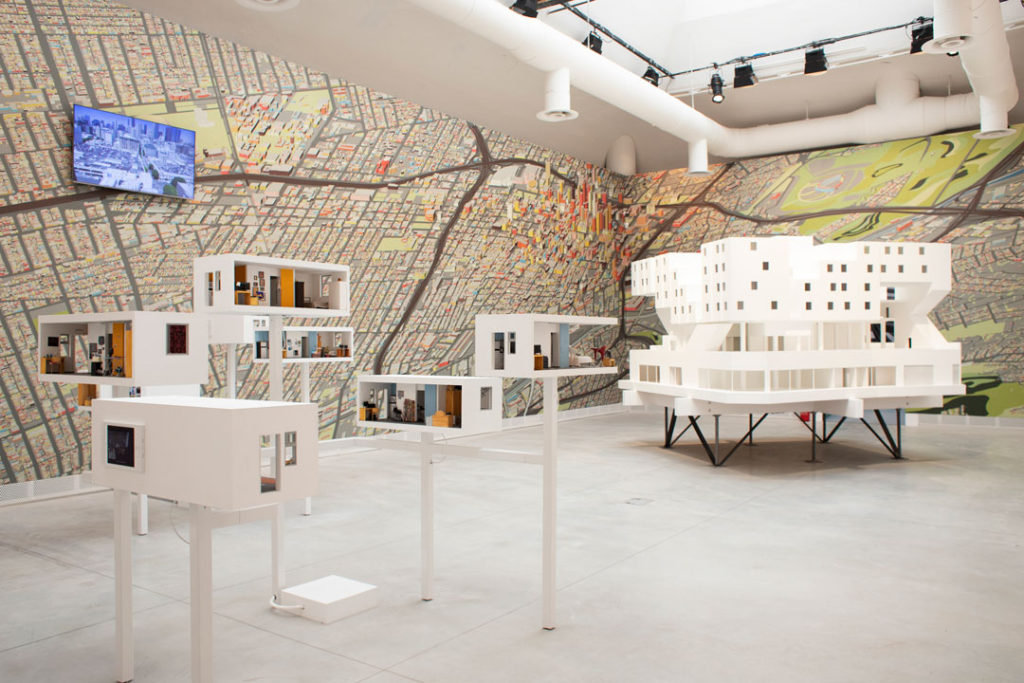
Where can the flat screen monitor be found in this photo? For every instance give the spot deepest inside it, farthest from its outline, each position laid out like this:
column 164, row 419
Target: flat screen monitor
column 125, row 153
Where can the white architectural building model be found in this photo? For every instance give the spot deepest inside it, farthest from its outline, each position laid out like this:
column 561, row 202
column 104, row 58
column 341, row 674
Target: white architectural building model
column 438, row 404
column 758, row 325
column 538, row 345
column 222, row 453
column 258, row 285
column 163, row 351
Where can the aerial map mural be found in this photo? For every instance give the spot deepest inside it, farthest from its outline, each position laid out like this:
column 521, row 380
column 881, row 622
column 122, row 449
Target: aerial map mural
column 438, row 218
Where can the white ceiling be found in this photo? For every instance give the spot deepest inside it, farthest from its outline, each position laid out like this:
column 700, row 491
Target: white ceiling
column 400, row 49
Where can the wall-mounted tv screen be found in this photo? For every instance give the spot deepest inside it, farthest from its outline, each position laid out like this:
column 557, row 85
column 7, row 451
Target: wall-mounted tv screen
column 125, row 153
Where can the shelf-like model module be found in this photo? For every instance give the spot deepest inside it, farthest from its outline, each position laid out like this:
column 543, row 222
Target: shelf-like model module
column 260, row 285
column 430, row 403
column 540, row 345
column 222, row 453
column 122, row 349
column 304, row 344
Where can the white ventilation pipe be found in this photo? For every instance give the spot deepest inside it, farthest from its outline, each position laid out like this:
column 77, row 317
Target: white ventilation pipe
column 986, row 60
column 951, row 26
column 556, row 97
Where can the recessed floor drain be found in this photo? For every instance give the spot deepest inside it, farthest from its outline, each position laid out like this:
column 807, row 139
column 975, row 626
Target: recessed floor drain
column 639, row 501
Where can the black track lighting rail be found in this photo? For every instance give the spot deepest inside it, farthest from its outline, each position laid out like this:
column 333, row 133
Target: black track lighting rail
column 801, row 48
column 596, row 26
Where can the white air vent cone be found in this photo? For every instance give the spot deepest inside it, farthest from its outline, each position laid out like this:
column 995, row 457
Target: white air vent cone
column 951, row 26
column 621, row 157
column 698, row 157
column 556, row 97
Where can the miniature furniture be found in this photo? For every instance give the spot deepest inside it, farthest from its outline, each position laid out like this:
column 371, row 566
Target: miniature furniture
column 779, row 324
column 501, row 344
column 230, row 460
column 441, row 406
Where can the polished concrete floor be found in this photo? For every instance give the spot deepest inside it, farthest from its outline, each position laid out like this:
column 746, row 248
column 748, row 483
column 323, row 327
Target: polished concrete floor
column 859, row 568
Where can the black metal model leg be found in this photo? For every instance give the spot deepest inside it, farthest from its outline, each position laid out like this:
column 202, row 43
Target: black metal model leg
column 814, row 438
column 703, row 441
column 739, row 443
column 750, row 427
column 670, row 426
column 717, row 461
column 893, row 449
column 835, row 429
column 810, row 424
column 899, row 435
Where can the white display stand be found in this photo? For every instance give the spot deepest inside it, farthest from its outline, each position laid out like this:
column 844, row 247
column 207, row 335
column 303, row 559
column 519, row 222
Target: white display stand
column 552, row 334
column 477, row 407
column 232, row 461
column 779, row 324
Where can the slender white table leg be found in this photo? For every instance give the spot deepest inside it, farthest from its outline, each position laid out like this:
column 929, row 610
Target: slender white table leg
column 232, row 363
column 308, row 510
column 426, row 517
column 142, row 515
column 200, row 553
column 277, row 551
column 550, row 500
column 275, row 367
column 123, row 627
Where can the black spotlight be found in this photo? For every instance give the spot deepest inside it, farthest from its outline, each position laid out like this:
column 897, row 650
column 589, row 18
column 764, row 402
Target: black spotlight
column 528, row 8
column 743, row 76
column 651, row 76
column 594, row 42
column 815, row 62
column 716, row 89
column 919, row 35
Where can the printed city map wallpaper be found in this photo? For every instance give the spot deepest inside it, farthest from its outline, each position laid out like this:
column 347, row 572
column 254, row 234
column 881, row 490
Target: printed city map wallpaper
column 438, row 218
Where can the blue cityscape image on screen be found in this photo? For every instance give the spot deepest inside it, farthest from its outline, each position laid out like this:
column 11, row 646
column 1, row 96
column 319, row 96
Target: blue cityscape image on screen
column 125, row 153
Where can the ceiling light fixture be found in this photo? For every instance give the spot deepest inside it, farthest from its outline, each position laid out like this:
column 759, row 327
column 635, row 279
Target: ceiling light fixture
column 815, row 61
column 716, row 89
column 651, row 76
column 268, row 5
column 594, row 42
column 919, row 35
column 528, row 8
column 743, row 76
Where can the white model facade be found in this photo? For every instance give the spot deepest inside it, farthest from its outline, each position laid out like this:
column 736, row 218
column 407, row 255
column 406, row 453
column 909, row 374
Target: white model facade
column 779, row 323
column 222, row 453
column 536, row 345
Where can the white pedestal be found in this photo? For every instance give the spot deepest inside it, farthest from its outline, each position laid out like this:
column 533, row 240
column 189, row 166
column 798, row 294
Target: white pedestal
column 331, row 598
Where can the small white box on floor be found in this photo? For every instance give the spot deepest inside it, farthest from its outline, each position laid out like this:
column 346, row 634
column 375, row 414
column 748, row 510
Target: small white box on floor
column 331, row 598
